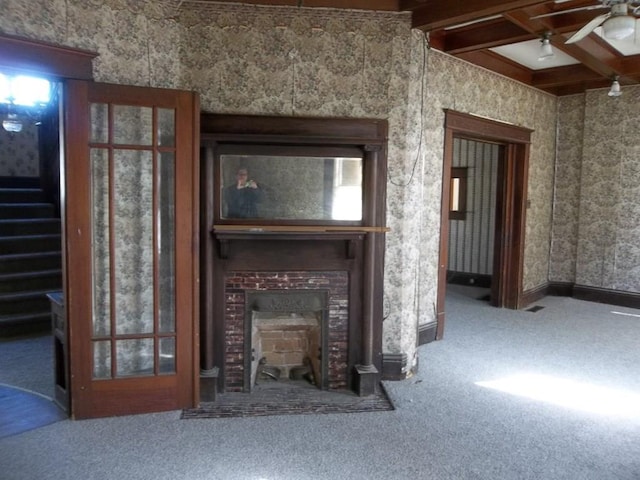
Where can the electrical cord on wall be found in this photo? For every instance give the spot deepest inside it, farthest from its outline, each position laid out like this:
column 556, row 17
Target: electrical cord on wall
column 425, row 48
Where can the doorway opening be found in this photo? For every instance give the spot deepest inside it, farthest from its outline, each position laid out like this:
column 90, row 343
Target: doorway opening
column 472, row 213
column 502, row 249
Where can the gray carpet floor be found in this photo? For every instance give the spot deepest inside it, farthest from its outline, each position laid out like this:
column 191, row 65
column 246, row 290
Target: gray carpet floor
column 449, row 421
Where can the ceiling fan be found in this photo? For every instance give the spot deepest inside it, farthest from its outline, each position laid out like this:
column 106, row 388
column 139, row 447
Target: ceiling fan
column 617, row 24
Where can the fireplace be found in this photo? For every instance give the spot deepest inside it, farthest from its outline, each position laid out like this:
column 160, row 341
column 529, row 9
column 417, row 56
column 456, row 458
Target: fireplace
column 286, row 335
column 296, row 289
column 289, row 320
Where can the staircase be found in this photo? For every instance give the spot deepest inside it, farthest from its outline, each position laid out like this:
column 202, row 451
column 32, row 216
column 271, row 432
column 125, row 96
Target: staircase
column 30, row 260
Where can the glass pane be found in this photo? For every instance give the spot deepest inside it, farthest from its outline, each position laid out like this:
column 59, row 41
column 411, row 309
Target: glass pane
column 455, row 194
column 168, row 355
column 133, row 241
column 30, row 90
column 166, row 241
column 166, row 127
column 100, row 241
column 132, row 125
column 102, row 359
column 134, row 357
column 99, row 123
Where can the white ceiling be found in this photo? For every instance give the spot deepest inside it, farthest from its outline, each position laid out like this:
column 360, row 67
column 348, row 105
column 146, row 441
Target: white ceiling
column 526, row 53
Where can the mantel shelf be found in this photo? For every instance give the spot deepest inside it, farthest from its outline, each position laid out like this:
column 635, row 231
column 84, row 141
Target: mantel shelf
column 350, row 236
column 294, row 229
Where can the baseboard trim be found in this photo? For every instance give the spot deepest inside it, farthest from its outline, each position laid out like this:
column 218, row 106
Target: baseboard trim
column 427, row 333
column 533, row 295
column 603, row 295
column 581, row 292
column 394, row 366
column 464, row 278
column 560, row 289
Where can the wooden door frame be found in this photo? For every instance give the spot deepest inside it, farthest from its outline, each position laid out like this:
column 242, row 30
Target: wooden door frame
column 511, row 206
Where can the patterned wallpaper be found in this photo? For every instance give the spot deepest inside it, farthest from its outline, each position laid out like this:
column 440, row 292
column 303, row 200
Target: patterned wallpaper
column 566, row 204
column 608, row 255
column 19, row 155
column 295, row 61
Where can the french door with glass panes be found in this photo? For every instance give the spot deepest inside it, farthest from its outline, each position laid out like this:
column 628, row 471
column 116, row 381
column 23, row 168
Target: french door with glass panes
column 131, row 183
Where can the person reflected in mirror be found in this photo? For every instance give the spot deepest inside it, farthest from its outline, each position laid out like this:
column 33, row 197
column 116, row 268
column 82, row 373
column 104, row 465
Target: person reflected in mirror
column 243, row 197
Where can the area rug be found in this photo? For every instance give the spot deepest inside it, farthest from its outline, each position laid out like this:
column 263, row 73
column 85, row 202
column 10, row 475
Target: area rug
column 22, row 410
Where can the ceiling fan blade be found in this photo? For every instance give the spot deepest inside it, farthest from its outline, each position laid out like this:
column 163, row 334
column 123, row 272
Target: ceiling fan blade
column 569, row 10
column 588, row 28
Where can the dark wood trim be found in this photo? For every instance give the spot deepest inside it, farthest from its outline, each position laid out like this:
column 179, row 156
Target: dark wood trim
column 427, row 333
column 443, row 255
column 256, row 128
column 533, row 295
column 511, row 203
column 472, row 126
column 517, row 230
column 603, row 295
column 45, row 59
column 581, row 292
column 560, row 289
column 394, row 366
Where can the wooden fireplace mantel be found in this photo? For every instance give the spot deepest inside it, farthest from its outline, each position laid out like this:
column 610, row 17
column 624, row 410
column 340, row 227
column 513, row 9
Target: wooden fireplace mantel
column 233, row 249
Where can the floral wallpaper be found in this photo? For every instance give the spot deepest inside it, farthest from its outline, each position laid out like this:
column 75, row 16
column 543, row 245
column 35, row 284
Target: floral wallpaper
column 566, row 202
column 609, row 213
column 317, row 62
column 19, row 155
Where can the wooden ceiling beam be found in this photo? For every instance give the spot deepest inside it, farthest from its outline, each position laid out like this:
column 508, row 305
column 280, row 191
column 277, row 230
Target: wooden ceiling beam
column 429, row 15
column 499, row 64
column 629, row 66
column 491, row 33
column 563, row 76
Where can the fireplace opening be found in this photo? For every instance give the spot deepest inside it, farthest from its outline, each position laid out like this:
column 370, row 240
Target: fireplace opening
column 286, row 338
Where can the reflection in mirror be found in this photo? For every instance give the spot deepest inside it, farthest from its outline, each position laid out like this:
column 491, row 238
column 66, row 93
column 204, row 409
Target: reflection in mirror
column 291, row 187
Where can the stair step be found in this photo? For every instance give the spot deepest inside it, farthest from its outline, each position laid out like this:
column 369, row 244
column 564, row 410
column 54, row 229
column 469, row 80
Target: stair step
column 23, row 324
column 25, row 303
column 30, row 243
column 29, row 262
column 25, row 281
column 26, row 210
column 29, row 226
column 21, row 195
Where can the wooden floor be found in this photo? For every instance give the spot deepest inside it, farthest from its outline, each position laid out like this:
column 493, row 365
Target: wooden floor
column 21, row 411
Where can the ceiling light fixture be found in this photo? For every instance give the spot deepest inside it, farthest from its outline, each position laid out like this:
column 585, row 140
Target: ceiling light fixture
column 615, row 91
column 545, row 48
column 620, row 25
column 12, row 123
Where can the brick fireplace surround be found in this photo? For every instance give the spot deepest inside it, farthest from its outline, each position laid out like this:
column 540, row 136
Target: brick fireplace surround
column 237, row 284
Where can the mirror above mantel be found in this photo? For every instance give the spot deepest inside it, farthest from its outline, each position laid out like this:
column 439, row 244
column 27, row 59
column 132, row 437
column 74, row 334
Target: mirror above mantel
column 290, row 183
